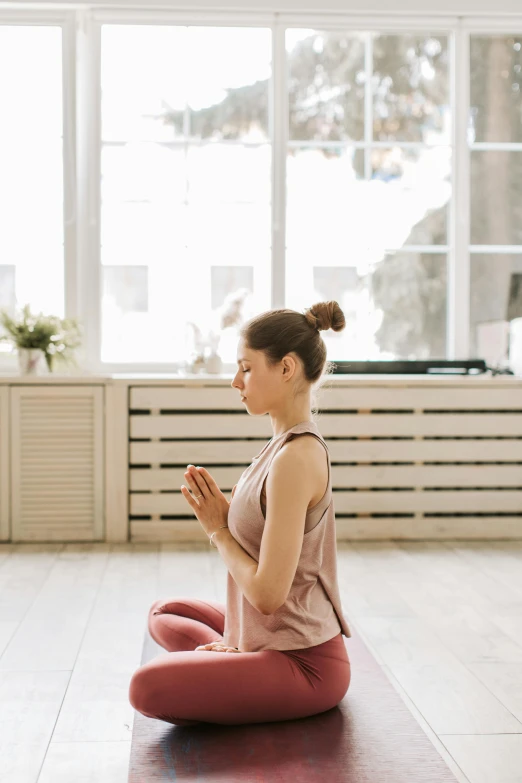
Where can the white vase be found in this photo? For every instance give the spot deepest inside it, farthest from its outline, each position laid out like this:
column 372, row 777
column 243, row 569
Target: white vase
column 195, row 363
column 213, row 363
column 31, row 361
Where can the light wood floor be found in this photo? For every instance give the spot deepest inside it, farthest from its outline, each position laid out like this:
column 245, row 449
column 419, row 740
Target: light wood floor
column 444, row 620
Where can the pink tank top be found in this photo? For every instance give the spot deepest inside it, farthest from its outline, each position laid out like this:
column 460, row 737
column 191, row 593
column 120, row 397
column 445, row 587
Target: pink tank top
column 312, row 613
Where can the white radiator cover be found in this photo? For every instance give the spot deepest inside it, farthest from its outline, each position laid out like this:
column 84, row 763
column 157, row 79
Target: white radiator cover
column 408, row 461
column 5, row 527
column 57, row 463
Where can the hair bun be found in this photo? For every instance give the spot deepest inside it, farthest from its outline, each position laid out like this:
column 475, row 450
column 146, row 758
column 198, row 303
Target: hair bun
column 325, row 315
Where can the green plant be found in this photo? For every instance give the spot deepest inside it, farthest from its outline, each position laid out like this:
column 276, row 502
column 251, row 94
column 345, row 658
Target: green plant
column 56, row 337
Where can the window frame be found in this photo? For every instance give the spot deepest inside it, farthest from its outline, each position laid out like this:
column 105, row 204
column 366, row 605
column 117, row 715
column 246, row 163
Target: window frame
column 81, row 51
column 65, row 20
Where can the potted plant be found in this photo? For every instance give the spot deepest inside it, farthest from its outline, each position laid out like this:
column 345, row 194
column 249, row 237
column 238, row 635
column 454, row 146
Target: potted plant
column 34, row 335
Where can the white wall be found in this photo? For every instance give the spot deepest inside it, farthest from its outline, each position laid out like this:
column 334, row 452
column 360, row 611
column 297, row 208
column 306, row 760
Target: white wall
column 364, row 7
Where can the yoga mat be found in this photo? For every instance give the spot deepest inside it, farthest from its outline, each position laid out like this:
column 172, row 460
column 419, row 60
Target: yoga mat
column 370, row 737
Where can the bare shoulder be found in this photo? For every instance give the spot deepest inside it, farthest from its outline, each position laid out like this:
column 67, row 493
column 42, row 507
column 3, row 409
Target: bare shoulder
column 308, row 451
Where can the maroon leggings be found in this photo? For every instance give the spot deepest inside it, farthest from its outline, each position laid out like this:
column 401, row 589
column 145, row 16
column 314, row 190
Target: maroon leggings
column 186, row 686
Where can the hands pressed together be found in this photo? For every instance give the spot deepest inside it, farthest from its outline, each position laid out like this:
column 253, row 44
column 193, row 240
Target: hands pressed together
column 217, row 647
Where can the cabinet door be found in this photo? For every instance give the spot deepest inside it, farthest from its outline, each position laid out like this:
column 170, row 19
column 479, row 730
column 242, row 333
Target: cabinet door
column 57, row 463
column 5, row 533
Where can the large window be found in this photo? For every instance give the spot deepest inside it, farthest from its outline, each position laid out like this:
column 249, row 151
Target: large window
column 369, row 184
column 291, row 162
column 186, row 172
column 31, row 169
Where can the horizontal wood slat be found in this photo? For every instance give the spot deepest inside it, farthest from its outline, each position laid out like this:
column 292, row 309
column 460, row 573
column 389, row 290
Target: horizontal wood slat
column 465, row 501
column 242, row 452
column 353, row 476
column 331, row 425
column 354, row 529
column 356, row 396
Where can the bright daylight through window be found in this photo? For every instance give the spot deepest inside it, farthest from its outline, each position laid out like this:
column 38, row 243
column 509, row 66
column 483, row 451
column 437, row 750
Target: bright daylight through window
column 31, row 169
column 189, row 133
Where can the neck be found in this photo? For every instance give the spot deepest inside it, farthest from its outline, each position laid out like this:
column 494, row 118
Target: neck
column 282, row 424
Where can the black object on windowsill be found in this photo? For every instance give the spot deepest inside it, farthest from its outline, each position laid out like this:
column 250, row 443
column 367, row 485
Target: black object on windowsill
column 413, row 367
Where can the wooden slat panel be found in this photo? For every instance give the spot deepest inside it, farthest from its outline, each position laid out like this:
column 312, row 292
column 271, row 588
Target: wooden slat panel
column 57, row 428
column 425, row 528
column 353, row 396
column 354, row 476
column 356, row 529
column 186, row 425
column 172, row 478
column 242, row 452
column 331, row 425
column 466, row 501
column 5, row 532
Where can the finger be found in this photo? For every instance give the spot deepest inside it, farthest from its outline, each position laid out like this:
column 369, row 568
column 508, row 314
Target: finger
column 197, row 484
column 213, row 487
column 195, row 489
column 190, row 500
column 234, row 489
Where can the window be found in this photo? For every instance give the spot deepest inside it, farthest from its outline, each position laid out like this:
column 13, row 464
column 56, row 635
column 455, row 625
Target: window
column 495, row 140
column 368, row 191
column 217, row 138
column 31, row 179
column 186, row 181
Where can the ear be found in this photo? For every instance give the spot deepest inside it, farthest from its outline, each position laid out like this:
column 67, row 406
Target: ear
column 288, row 365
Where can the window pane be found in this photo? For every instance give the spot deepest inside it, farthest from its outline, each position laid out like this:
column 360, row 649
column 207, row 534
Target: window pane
column 496, row 290
column 236, row 173
column 7, row 287
column 496, row 88
column 410, row 88
column 496, row 198
column 395, row 308
column 143, row 172
column 125, row 288
column 326, row 80
column 143, row 97
column 31, row 166
column 332, row 210
column 228, row 98
column 180, row 217
column 202, row 82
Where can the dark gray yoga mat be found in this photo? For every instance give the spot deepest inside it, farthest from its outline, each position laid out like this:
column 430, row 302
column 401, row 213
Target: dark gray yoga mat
column 370, row 737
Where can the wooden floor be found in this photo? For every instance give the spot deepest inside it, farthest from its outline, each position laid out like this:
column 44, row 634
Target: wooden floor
column 444, row 619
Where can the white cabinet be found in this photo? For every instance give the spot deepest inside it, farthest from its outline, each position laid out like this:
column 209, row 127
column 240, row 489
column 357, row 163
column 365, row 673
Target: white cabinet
column 57, row 463
column 5, row 529
column 412, row 457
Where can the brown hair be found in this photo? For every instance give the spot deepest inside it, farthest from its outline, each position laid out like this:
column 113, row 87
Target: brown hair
column 279, row 332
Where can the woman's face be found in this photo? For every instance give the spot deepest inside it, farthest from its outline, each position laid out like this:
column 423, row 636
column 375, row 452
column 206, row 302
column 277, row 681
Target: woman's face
column 260, row 386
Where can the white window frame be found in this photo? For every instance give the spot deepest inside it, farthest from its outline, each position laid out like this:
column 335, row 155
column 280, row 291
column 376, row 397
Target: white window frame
column 82, row 150
column 65, row 20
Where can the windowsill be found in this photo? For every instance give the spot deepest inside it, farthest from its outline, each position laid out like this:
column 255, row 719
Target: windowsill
column 224, row 379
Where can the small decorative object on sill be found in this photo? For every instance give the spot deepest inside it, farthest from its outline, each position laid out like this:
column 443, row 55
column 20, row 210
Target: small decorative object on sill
column 213, row 363
column 30, row 333
column 195, row 363
column 31, row 361
column 205, row 339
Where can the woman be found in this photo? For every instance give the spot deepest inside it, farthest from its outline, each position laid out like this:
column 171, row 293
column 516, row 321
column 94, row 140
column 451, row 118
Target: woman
column 283, row 624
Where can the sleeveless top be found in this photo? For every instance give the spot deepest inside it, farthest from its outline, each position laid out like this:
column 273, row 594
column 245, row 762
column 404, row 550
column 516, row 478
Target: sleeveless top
column 312, row 613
